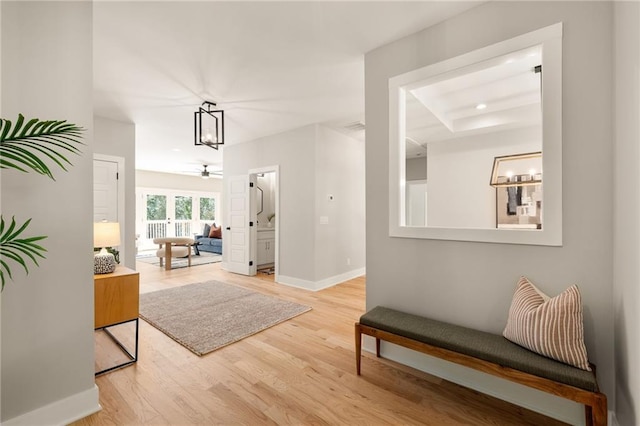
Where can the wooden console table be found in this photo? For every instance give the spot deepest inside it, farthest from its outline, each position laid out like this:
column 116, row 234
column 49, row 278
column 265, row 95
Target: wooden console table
column 116, row 300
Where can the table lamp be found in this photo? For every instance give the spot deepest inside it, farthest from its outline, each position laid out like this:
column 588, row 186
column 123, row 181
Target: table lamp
column 105, row 234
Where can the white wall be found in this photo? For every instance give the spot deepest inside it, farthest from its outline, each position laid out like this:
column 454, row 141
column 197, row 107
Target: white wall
column 471, row 284
column 314, row 162
column 340, row 243
column 459, row 172
column 294, row 153
column 416, row 168
column 47, row 316
column 626, row 297
column 118, row 139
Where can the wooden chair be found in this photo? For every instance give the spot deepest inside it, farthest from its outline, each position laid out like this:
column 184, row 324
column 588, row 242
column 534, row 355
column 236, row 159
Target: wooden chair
column 170, row 247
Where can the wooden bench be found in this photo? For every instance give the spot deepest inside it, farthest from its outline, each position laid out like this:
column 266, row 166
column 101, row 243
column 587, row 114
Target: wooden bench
column 486, row 352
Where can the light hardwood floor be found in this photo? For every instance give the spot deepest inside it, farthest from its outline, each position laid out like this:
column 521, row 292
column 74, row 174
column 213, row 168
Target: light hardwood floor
column 300, row 372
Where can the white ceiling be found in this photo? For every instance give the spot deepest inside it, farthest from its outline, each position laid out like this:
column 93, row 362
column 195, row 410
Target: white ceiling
column 497, row 94
column 272, row 67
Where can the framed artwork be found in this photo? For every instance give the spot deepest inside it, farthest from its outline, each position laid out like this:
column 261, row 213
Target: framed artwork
column 519, row 207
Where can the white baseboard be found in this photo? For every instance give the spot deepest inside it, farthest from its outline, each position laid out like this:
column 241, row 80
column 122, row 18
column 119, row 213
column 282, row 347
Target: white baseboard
column 62, row 412
column 613, row 421
column 523, row 396
column 322, row 284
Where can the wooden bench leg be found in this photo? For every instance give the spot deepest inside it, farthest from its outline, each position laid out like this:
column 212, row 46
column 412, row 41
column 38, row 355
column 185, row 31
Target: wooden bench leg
column 358, row 347
column 588, row 416
column 596, row 414
column 377, row 347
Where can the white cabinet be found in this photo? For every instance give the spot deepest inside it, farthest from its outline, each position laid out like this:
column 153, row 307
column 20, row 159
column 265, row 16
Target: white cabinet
column 266, row 250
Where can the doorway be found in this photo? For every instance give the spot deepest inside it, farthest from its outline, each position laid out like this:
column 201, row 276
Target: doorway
column 416, row 203
column 108, row 193
column 166, row 213
column 266, row 239
column 252, row 223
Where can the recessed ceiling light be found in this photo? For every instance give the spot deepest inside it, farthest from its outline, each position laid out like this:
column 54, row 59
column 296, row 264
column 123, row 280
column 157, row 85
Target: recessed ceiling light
column 176, row 150
column 481, row 106
column 510, row 61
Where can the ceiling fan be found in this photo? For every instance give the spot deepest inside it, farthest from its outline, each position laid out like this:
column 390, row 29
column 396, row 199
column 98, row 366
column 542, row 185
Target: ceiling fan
column 206, row 173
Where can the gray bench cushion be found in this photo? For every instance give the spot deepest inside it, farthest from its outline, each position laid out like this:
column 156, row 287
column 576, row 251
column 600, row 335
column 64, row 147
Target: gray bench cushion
column 478, row 344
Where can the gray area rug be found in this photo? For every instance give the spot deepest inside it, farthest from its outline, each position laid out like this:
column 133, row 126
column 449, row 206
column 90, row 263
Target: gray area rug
column 204, row 258
column 206, row 316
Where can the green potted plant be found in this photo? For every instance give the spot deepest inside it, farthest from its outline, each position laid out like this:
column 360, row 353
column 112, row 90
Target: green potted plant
column 27, row 146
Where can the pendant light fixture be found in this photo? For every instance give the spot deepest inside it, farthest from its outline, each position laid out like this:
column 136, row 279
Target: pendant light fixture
column 209, row 125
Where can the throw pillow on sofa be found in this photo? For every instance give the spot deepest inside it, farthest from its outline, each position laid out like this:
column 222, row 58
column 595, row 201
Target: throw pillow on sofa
column 216, row 232
column 206, row 230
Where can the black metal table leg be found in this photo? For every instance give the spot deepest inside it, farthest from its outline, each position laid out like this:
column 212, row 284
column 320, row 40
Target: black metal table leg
column 132, row 357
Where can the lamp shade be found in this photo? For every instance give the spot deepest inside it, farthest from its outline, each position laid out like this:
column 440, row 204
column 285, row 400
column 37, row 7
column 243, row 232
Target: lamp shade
column 106, row 234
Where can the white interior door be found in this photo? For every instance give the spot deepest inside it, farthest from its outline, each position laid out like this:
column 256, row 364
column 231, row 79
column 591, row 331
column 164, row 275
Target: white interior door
column 237, row 247
column 416, row 203
column 108, row 194
column 253, row 224
column 105, row 191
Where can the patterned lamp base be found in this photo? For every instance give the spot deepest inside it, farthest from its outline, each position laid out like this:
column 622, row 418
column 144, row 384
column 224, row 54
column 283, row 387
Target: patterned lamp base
column 104, row 263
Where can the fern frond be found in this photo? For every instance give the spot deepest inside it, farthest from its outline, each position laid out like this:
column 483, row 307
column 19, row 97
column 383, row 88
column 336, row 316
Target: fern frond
column 16, row 249
column 24, row 143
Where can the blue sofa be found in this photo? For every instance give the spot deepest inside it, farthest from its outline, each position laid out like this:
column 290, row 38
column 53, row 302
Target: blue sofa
column 211, row 245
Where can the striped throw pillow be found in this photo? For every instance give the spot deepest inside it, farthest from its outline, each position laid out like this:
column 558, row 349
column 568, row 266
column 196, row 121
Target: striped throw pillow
column 548, row 326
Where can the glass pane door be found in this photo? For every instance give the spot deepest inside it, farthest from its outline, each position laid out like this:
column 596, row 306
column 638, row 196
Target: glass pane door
column 169, row 213
column 156, row 219
column 206, row 213
column 183, row 207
